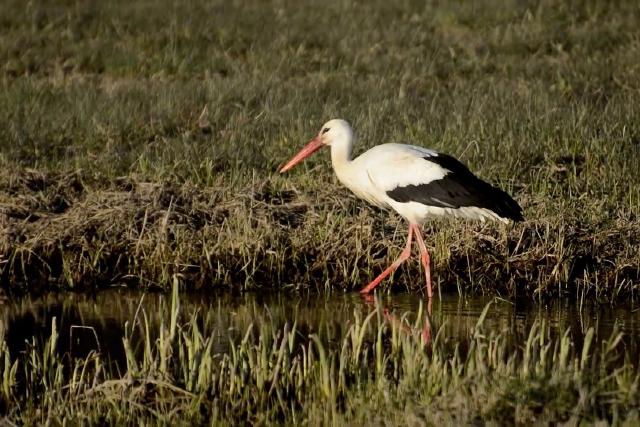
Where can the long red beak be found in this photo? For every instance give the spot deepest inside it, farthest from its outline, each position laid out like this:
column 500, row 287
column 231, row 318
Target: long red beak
column 314, row 145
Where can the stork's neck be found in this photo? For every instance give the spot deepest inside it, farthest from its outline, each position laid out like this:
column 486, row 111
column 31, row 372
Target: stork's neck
column 341, row 154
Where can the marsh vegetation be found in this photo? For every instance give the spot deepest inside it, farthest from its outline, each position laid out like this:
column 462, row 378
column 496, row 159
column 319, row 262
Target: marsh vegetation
column 123, row 357
column 139, row 148
column 141, row 142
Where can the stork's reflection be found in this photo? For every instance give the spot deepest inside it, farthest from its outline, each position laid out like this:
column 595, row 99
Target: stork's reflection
column 400, row 322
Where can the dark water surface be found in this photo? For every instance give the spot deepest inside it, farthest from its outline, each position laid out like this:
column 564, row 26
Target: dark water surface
column 98, row 323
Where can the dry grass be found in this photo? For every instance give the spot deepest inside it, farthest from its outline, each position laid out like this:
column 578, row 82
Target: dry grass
column 140, row 142
column 141, row 234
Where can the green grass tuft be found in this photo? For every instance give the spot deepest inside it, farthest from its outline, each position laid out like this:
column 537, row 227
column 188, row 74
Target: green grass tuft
column 139, row 141
column 374, row 368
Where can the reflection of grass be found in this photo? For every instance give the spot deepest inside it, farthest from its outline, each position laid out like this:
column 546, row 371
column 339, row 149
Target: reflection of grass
column 373, row 371
column 139, row 141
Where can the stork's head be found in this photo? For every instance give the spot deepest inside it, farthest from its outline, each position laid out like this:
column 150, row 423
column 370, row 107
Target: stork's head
column 334, row 132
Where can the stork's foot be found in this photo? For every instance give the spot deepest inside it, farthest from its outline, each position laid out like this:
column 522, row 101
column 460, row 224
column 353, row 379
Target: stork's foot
column 424, row 258
column 402, row 258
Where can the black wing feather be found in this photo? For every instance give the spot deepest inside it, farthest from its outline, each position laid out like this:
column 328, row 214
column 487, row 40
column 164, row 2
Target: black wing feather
column 459, row 188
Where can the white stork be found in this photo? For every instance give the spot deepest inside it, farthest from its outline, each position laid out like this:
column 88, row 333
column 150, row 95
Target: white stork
column 416, row 182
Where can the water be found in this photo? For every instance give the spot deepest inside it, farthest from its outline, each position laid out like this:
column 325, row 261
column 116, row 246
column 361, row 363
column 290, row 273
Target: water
column 98, row 322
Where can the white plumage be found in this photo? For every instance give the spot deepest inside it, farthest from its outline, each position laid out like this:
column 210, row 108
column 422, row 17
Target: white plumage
column 416, row 182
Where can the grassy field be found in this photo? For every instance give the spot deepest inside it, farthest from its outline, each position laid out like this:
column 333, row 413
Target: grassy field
column 140, row 142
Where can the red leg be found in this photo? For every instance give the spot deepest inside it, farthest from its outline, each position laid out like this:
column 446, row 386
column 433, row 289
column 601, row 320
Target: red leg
column 402, row 258
column 426, row 262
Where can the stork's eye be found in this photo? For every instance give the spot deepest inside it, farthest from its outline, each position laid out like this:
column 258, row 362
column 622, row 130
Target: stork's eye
column 325, row 130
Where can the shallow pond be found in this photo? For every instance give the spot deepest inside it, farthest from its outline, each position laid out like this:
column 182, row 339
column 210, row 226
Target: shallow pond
column 99, row 322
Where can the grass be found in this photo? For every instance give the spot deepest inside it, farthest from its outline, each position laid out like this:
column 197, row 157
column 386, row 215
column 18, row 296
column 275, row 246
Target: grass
column 364, row 371
column 139, row 142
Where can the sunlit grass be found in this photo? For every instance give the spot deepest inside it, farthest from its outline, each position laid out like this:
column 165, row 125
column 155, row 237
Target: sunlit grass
column 140, row 141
